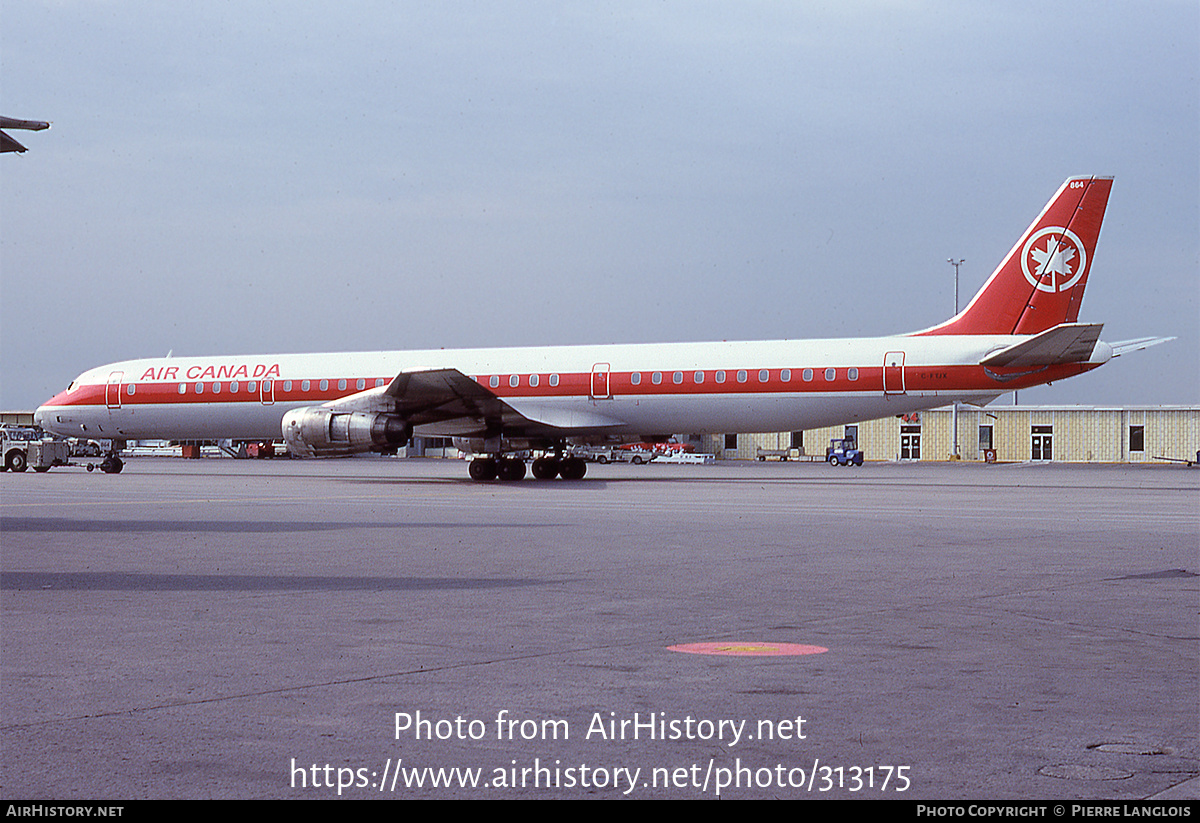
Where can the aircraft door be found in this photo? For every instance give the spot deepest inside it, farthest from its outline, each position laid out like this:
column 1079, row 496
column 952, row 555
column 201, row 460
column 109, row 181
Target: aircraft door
column 266, row 392
column 600, row 387
column 893, row 372
column 112, row 390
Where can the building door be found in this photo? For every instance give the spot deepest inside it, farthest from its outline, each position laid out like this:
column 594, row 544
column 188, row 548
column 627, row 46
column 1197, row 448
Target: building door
column 910, row 442
column 1042, row 447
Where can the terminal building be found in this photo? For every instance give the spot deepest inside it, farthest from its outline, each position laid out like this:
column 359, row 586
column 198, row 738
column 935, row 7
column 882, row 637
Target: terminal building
column 1065, row 434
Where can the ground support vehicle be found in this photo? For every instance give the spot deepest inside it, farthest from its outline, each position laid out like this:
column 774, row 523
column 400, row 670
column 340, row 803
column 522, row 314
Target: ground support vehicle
column 843, row 452
column 24, row 447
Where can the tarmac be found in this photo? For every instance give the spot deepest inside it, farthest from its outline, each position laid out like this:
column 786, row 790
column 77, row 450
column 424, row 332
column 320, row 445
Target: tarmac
column 384, row 628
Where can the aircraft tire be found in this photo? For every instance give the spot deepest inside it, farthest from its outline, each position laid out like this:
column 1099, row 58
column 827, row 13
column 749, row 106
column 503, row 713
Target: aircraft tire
column 482, row 469
column 572, row 468
column 545, row 468
column 511, row 469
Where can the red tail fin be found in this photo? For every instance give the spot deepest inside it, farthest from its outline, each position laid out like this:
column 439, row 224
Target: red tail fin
column 1040, row 282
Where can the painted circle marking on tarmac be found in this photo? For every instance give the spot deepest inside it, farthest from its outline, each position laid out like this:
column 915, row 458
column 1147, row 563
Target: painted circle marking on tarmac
column 733, row 648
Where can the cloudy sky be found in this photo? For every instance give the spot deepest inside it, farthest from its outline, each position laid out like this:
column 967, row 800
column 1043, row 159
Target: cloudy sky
column 228, row 178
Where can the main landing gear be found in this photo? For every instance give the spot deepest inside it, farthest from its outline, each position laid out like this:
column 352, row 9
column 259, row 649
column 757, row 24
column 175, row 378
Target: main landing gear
column 513, row 468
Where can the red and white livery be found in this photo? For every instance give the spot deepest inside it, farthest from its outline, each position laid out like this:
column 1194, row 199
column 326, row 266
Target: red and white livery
column 1020, row 330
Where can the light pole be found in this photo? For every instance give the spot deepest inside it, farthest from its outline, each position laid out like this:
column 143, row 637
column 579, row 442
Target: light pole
column 954, row 409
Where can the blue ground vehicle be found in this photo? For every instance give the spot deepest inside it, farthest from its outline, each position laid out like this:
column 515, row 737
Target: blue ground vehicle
column 843, row 452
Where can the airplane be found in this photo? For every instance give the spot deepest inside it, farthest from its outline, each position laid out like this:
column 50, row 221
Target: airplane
column 7, row 143
column 1020, row 330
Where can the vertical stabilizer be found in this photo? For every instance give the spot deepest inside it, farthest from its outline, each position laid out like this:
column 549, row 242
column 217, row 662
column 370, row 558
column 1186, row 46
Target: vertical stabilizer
column 1040, row 282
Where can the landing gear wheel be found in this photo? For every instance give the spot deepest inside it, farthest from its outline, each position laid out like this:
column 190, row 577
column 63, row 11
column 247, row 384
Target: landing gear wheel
column 111, row 464
column 545, row 468
column 511, row 469
column 482, row 468
column 572, row 468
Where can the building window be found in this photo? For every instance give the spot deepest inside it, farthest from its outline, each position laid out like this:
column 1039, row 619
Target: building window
column 985, row 438
column 797, row 440
column 1137, row 438
column 731, row 442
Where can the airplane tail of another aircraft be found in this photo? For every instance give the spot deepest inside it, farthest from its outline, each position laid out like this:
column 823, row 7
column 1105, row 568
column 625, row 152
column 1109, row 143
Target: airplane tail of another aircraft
column 1040, row 282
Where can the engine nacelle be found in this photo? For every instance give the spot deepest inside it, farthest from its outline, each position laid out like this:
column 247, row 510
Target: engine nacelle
column 316, row 431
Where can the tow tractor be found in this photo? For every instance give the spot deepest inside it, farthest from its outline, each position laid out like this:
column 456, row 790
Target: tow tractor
column 26, row 446
column 843, row 452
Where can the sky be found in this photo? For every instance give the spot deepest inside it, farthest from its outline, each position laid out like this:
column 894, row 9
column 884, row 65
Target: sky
column 233, row 178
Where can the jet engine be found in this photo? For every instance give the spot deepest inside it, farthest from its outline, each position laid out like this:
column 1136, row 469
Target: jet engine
column 316, row 431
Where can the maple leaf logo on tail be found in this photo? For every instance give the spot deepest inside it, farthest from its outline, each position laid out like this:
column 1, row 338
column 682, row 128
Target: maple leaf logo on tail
column 1053, row 259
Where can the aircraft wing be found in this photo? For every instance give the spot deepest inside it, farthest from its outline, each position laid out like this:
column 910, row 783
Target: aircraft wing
column 1065, row 343
column 451, row 398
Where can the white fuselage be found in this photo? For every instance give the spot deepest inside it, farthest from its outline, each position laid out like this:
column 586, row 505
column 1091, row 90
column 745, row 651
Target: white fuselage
column 783, row 385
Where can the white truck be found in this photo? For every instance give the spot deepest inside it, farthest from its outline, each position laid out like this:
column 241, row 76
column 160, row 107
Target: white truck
column 26, row 446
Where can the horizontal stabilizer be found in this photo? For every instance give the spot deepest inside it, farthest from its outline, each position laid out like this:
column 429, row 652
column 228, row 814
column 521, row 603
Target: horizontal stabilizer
column 1065, row 343
column 1126, row 346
